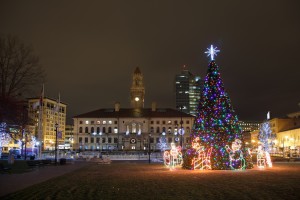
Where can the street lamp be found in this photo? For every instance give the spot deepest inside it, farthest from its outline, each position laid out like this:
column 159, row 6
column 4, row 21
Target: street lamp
column 181, row 132
column 253, row 144
column 72, row 143
column 286, row 137
column 95, row 139
column 149, row 147
column 37, row 143
column 275, row 142
column 25, row 146
column 100, row 141
column 55, row 158
column 291, row 149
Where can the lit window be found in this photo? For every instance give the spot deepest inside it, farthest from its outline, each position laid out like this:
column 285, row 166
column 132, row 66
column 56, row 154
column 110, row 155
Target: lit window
column 169, row 122
column 86, row 122
column 133, row 128
column 140, row 129
column 115, row 130
column 98, row 122
column 104, row 122
column 110, row 122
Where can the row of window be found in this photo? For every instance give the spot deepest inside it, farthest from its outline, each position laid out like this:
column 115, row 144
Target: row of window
column 164, row 130
column 115, row 140
column 116, row 122
column 170, row 122
column 133, row 130
column 98, row 122
column 97, row 130
column 97, row 140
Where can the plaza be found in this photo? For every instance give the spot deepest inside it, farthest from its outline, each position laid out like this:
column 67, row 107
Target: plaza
column 140, row 180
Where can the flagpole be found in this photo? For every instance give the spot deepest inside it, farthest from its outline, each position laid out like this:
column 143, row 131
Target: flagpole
column 57, row 128
column 40, row 125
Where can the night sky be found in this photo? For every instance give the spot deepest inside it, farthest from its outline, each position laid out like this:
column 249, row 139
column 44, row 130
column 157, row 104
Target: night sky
column 89, row 49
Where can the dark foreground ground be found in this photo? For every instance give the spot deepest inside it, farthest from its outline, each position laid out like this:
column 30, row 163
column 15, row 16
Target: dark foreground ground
column 123, row 180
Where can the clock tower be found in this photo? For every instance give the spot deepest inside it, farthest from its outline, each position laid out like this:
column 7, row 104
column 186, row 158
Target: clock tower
column 137, row 90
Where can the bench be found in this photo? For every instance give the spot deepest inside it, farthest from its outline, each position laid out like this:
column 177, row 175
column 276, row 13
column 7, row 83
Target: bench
column 100, row 160
column 4, row 169
column 33, row 163
column 46, row 162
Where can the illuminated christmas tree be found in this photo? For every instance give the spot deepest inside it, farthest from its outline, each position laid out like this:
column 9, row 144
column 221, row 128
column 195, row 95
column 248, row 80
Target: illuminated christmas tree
column 217, row 124
column 265, row 136
column 4, row 137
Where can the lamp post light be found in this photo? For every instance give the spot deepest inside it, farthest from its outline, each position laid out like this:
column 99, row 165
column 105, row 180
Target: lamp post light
column 283, row 152
column 100, row 141
column 72, row 144
column 149, row 146
column 37, row 143
column 181, row 122
column 181, row 132
column 94, row 140
column 253, row 143
column 275, row 142
column 292, row 149
column 55, row 156
column 25, row 146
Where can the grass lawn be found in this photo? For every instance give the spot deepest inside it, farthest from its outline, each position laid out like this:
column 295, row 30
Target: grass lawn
column 121, row 180
column 19, row 166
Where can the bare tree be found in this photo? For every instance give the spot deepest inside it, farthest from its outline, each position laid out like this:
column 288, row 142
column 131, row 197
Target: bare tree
column 20, row 71
column 19, row 68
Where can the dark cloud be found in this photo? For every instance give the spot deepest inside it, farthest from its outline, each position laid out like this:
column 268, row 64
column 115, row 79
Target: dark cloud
column 90, row 49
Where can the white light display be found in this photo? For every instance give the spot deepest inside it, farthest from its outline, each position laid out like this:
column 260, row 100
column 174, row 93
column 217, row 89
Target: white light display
column 265, row 137
column 212, row 52
column 236, row 158
column 163, row 143
column 4, row 137
column 33, row 143
column 263, row 158
column 173, row 158
column 202, row 159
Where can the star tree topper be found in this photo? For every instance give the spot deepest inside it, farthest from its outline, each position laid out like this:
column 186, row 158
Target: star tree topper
column 212, row 52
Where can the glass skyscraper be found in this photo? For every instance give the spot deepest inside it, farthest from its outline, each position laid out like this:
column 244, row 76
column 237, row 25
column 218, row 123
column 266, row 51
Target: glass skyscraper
column 188, row 87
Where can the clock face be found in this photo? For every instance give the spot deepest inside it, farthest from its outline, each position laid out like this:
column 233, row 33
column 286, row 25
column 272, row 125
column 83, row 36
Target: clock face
column 136, row 99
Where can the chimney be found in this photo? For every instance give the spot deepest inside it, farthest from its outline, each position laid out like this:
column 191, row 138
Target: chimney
column 153, row 106
column 117, row 107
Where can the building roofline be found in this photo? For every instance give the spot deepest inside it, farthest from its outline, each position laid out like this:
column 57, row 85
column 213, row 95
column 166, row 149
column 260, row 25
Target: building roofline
column 133, row 113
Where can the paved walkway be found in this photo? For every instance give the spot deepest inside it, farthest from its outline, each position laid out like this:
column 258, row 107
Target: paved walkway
column 10, row 183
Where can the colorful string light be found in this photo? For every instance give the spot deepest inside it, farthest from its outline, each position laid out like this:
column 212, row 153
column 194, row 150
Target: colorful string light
column 236, row 157
column 202, row 158
column 263, row 158
column 216, row 125
column 265, row 138
column 173, row 157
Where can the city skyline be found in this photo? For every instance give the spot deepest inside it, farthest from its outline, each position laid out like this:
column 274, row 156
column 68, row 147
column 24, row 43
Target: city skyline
column 89, row 51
